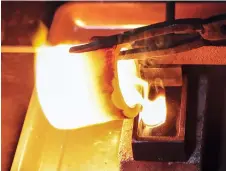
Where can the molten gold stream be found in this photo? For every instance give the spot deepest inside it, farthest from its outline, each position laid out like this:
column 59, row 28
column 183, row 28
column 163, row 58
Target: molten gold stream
column 135, row 91
column 69, row 86
column 70, row 92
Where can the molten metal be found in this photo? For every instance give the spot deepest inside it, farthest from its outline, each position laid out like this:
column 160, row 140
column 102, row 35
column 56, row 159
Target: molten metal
column 69, row 87
column 153, row 113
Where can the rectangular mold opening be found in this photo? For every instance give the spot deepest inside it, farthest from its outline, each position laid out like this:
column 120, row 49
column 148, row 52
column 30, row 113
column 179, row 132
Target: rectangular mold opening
column 164, row 140
column 170, row 127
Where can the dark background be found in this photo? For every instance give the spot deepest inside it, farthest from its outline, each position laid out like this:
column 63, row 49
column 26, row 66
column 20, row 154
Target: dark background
column 19, row 22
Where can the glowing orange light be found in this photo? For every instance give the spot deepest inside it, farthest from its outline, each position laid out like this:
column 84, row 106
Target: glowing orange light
column 153, row 113
column 83, row 25
column 80, row 23
column 69, row 91
column 127, row 79
column 68, row 87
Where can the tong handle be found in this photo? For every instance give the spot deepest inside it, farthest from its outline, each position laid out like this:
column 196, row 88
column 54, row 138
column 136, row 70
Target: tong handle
column 211, row 29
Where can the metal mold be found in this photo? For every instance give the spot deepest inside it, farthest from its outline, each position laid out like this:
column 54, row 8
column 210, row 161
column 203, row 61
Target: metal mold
column 167, row 141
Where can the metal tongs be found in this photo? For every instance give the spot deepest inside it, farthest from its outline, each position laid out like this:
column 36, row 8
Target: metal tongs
column 164, row 38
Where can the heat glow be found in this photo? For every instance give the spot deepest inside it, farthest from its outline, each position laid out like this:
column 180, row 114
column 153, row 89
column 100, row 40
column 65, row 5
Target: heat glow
column 153, row 113
column 70, row 91
column 68, row 87
column 83, row 25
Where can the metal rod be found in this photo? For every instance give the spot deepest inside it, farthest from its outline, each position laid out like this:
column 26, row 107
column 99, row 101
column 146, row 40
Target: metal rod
column 170, row 11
